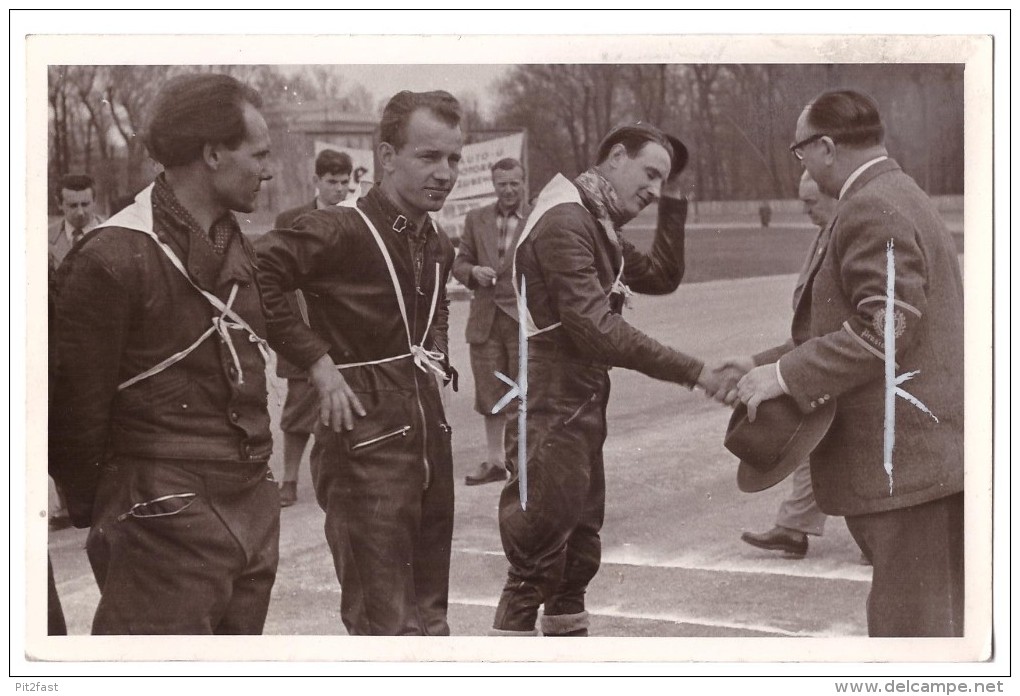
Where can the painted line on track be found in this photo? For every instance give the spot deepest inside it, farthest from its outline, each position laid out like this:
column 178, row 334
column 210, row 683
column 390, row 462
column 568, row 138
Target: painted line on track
column 615, row 612
column 766, row 566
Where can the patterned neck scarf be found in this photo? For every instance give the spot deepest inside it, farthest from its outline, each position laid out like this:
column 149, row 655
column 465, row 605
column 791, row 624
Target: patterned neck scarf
column 600, row 194
column 174, row 215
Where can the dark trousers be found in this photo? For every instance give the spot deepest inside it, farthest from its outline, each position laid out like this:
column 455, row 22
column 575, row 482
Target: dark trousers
column 200, row 561
column 917, row 554
column 55, row 624
column 390, row 533
column 553, row 546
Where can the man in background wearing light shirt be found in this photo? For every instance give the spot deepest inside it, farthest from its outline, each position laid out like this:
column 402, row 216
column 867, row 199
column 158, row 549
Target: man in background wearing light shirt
column 484, row 264
column 77, row 202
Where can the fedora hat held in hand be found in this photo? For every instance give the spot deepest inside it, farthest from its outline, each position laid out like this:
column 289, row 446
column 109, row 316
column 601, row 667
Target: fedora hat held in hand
column 779, row 439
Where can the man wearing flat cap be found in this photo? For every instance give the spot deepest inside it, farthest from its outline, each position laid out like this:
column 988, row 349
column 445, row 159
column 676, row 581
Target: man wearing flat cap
column 893, row 468
column 576, row 268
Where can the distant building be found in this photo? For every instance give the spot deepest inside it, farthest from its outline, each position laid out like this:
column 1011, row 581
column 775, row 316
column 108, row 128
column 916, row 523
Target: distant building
column 294, row 129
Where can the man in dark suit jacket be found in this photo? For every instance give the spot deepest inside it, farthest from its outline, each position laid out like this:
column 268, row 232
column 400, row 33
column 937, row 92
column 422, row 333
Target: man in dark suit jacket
column 77, row 203
column 799, row 516
column 892, row 466
column 484, row 264
column 301, row 409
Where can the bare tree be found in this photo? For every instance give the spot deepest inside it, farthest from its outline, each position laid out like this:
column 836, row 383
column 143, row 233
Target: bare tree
column 327, row 81
column 737, row 120
column 359, row 100
column 566, row 110
column 649, row 84
column 130, row 90
column 709, row 170
column 60, row 127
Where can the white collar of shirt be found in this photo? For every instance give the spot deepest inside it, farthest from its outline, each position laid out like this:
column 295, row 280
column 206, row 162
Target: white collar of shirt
column 516, row 212
column 69, row 229
column 857, row 172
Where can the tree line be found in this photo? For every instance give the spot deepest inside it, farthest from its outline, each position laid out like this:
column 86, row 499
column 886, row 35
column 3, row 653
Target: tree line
column 96, row 113
column 737, row 119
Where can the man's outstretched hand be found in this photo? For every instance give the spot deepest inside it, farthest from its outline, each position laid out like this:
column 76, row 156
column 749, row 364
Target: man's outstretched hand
column 719, row 379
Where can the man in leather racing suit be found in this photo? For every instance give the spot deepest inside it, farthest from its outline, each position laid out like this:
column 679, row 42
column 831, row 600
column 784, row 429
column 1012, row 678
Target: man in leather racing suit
column 577, row 267
column 159, row 431
column 373, row 273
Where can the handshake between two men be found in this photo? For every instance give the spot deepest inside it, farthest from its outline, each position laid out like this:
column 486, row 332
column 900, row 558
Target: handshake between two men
column 739, row 379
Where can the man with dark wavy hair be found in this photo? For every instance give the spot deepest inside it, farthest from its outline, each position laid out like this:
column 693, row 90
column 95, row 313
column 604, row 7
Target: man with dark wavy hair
column 374, row 273
column 159, row 430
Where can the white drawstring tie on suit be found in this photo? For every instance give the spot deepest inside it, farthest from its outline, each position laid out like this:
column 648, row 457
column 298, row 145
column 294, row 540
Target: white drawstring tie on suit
column 425, row 360
column 138, row 217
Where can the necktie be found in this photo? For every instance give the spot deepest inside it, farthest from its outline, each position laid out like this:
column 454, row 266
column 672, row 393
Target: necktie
column 76, row 234
column 501, row 221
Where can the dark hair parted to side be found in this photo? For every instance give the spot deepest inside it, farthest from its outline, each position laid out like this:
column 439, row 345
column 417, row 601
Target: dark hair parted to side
column 77, row 182
column 393, row 127
column 635, row 136
column 507, row 164
column 848, row 117
column 333, row 162
column 192, row 111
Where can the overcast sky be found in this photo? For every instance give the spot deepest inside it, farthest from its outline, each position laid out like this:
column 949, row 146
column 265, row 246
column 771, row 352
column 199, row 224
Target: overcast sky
column 461, row 80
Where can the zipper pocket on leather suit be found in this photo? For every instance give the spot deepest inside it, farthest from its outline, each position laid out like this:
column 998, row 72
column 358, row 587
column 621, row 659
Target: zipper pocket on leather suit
column 574, row 416
column 400, row 432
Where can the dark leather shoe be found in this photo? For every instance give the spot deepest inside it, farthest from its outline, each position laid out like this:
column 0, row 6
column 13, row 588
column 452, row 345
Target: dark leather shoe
column 485, row 474
column 288, row 493
column 58, row 522
column 791, row 542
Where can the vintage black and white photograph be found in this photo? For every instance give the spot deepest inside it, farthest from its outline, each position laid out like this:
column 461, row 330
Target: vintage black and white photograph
column 667, row 337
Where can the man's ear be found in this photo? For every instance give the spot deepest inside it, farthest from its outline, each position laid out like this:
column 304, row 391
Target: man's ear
column 211, row 155
column 386, row 153
column 830, row 149
column 617, row 153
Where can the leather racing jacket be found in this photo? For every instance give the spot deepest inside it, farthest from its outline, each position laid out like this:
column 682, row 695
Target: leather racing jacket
column 573, row 283
column 354, row 316
column 122, row 309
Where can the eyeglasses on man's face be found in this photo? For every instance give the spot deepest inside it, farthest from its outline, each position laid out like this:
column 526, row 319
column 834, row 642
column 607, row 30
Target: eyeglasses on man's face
column 798, row 148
